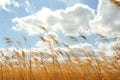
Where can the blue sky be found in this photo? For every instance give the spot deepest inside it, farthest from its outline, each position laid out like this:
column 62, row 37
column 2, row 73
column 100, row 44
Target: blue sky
column 34, row 6
column 69, row 17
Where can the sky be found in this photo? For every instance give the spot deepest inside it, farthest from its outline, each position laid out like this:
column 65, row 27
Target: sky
column 61, row 17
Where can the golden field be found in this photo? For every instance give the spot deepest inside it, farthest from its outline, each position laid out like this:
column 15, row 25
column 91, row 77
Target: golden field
column 58, row 64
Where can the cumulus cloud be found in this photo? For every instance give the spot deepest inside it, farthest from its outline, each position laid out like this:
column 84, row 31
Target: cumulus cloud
column 107, row 20
column 70, row 20
column 78, row 49
column 5, row 3
column 109, row 48
column 82, row 48
column 30, row 24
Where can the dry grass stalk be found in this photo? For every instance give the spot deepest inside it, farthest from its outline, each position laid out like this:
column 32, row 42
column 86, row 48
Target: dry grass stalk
column 72, row 38
column 58, row 64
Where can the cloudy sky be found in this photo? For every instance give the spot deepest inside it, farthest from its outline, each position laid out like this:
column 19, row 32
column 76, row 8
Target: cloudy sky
column 70, row 17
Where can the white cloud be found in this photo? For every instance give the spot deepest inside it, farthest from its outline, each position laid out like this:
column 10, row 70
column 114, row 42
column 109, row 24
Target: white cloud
column 28, row 7
column 5, row 3
column 30, row 24
column 78, row 49
column 83, row 47
column 109, row 48
column 42, row 46
column 72, row 19
column 107, row 20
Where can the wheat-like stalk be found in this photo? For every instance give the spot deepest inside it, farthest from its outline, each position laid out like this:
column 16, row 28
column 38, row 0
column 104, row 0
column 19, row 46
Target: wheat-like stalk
column 59, row 64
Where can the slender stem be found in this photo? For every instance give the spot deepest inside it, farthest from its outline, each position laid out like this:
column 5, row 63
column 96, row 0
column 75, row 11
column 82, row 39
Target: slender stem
column 30, row 65
column 1, row 71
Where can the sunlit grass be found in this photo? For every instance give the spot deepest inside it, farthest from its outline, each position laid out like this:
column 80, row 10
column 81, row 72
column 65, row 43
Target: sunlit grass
column 58, row 64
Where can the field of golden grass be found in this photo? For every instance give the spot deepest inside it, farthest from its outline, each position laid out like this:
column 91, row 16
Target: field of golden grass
column 57, row 64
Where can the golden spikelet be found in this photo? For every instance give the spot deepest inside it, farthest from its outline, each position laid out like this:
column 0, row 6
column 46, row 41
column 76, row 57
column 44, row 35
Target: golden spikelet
column 1, row 52
column 17, row 54
column 11, row 64
column 35, row 58
column 19, row 43
column 7, row 57
column 52, row 37
column 8, row 40
column 23, row 54
column 25, row 39
column 82, row 36
column 116, row 2
column 102, row 37
column 72, row 38
column 43, row 28
column 117, row 38
column 42, row 38
column 60, row 52
column 58, row 44
column 65, row 45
